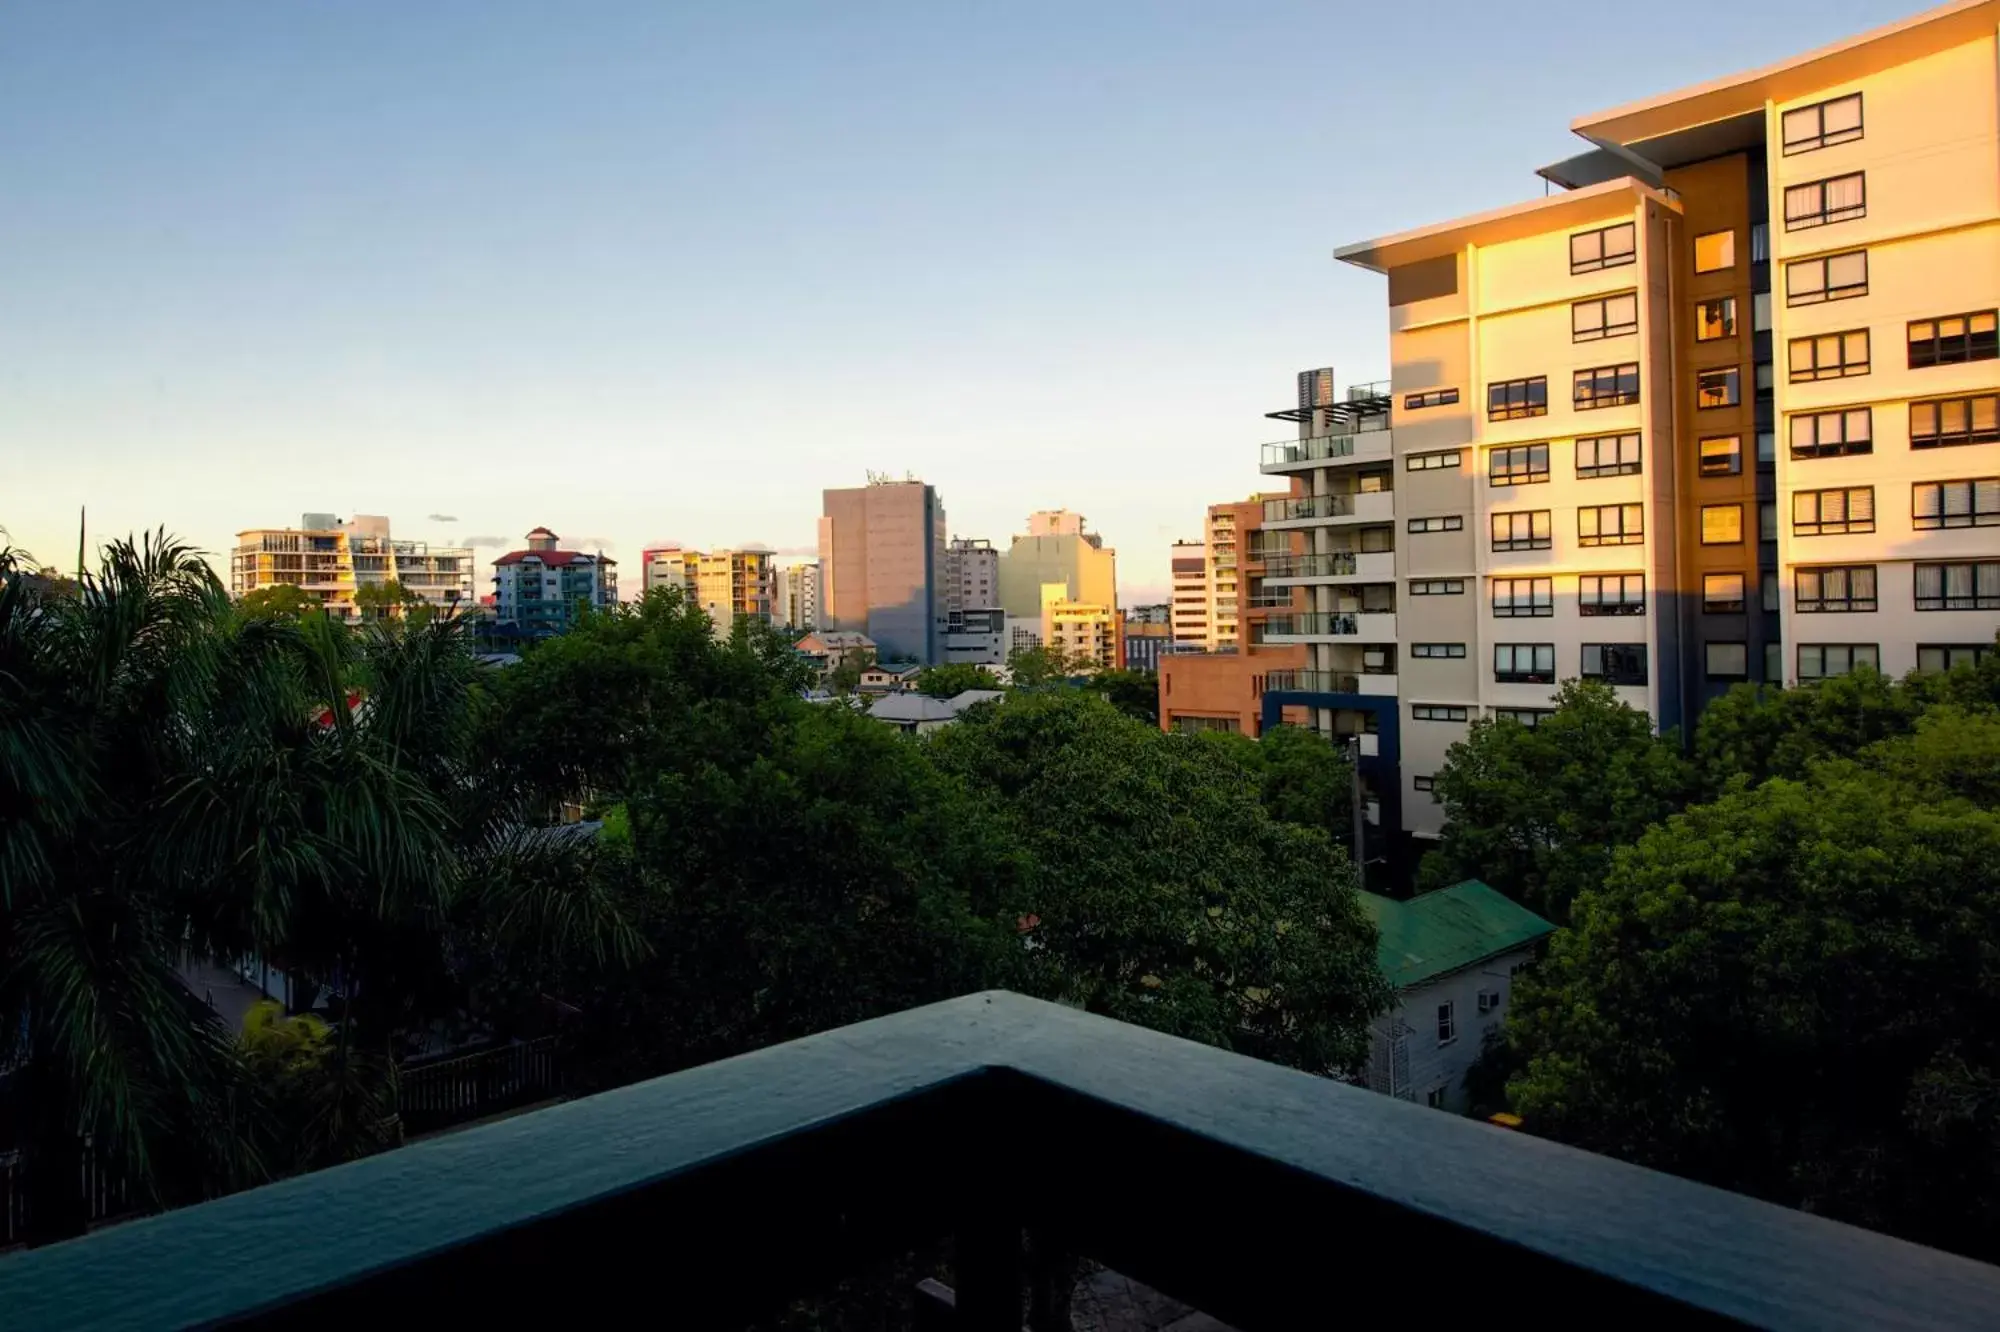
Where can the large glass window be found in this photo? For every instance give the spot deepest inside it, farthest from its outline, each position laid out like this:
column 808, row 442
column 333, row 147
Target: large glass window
column 1721, row 524
column 1968, row 585
column 1615, row 663
column 1833, row 512
column 1607, row 455
column 1950, row 421
column 1833, row 277
column 1514, row 598
column 1822, row 124
column 1974, row 502
column 1518, row 465
column 1829, row 356
column 1833, row 589
column 1954, row 339
column 1611, row 594
column 1818, row 661
column 1445, row 460
column 1945, row 656
column 1727, row 661
column 1606, row 386
column 1819, row 202
column 1720, row 387
column 1604, row 317
column 1722, row 455
column 1715, row 319
column 1611, row 525
column 1832, row 434
column 1606, row 247
column 1511, row 399
column 1722, row 594
column 1715, row 251
column 1522, row 530
column 1524, row 663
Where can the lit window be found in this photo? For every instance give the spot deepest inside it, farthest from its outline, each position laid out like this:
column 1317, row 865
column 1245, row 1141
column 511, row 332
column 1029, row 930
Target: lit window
column 1607, row 455
column 1514, row 597
column 1822, row 124
column 1722, row 455
column 1819, row 202
column 1519, row 465
column 1833, row 434
column 1722, row 387
column 1715, row 251
column 1721, row 524
column 1523, row 530
column 1606, row 247
column 1611, row 525
column 1950, row 421
column 1834, row 277
column 1728, row 661
column 1722, row 594
column 1715, row 319
column 1954, row 339
column 1512, row 399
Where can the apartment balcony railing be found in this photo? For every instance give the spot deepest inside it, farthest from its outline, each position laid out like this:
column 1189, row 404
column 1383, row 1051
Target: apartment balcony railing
column 1365, row 445
column 1337, row 565
column 1373, row 626
column 1309, row 506
column 712, row 1197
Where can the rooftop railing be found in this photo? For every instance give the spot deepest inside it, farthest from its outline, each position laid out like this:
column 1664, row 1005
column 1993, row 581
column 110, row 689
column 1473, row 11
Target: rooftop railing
column 1264, row 1196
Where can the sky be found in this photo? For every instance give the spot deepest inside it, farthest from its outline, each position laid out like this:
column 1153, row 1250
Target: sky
column 648, row 272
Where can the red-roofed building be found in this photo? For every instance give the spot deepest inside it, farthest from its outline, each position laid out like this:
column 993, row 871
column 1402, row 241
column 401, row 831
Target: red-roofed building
column 543, row 589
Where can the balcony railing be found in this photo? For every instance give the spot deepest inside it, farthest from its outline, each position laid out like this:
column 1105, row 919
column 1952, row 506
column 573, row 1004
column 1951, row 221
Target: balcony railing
column 1308, row 506
column 1313, row 624
column 1336, row 565
column 1320, row 448
column 714, row 1196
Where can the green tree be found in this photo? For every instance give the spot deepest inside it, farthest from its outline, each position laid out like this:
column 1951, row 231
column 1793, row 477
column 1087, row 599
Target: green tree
column 1134, row 693
column 278, row 601
column 845, row 677
column 949, row 681
column 1157, row 889
column 1030, row 668
column 1792, row 992
column 390, row 599
column 1301, row 777
column 1537, row 812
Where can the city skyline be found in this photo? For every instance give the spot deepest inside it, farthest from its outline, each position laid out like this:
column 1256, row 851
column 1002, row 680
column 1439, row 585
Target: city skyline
column 474, row 297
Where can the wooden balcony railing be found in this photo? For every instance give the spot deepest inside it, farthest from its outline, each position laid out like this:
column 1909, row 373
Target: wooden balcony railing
column 1269, row 1198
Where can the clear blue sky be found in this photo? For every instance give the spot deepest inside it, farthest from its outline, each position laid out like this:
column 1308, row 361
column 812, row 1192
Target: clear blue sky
column 643, row 270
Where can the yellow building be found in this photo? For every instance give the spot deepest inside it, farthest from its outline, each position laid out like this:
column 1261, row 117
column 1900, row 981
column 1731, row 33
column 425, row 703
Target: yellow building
column 724, row 583
column 1081, row 631
column 1055, row 548
column 331, row 558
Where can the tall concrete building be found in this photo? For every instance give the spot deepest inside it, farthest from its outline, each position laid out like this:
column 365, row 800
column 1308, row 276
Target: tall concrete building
column 799, row 595
column 544, row 588
column 1772, row 298
column 1056, row 549
column 882, row 553
column 1189, row 563
column 332, row 558
column 971, row 575
column 727, row 584
column 1085, row 634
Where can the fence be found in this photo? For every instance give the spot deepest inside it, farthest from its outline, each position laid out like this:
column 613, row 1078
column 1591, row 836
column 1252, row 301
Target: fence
column 437, row 1093
column 107, row 1193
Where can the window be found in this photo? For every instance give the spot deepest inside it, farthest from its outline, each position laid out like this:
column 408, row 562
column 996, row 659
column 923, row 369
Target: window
column 1438, row 712
column 1774, row 662
column 1834, row 277
column 1952, row 421
column 1611, row 525
column 1511, row 399
column 1767, row 589
column 1489, row 1001
column 1767, row 520
column 1760, row 312
column 1727, row 661
column 1434, row 1098
column 1817, row 661
column 1606, row 386
column 1722, row 455
column 1451, row 522
column 1715, row 319
column 1524, row 663
column 1832, row 512
column 1832, row 434
column 1822, row 124
column 1525, row 530
column 1954, row 339
column 1520, row 465
column 1767, row 447
column 1438, row 587
column 1840, row 588
column 1829, row 356
column 1416, row 402
column 1722, row 594
column 1945, row 656
column 1423, row 784
column 1971, row 503
column 1967, row 586
column 1818, row 202
column 1523, row 596
column 1447, row 1024
column 1192, row 725
column 1377, row 540
column 1722, row 387
column 1605, row 317
column 1615, row 663
column 1449, row 651
column 1606, row 247
column 1760, row 242
column 1765, row 379
column 1445, row 461
column 1607, row 455
column 1528, row 717
column 1721, row 524
column 1715, row 252
column 1611, row 594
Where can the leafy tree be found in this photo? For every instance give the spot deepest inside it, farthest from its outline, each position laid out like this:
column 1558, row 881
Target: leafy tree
column 953, row 679
column 278, row 601
column 1032, row 667
column 845, row 677
column 1537, row 812
column 1158, row 890
column 1792, row 991
column 385, row 600
column 306, row 1117
column 1303, row 779
column 1134, row 693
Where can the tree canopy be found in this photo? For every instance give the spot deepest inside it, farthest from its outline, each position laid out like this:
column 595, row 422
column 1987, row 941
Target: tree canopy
column 949, row 681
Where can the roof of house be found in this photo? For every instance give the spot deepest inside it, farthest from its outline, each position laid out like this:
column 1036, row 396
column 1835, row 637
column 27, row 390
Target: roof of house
column 973, row 697
column 1435, row 934
column 911, row 708
column 834, row 640
column 554, row 557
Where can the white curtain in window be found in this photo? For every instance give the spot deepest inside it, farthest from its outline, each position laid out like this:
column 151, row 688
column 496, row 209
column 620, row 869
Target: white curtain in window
column 1847, row 270
column 1841, row 116
column 1844, row 193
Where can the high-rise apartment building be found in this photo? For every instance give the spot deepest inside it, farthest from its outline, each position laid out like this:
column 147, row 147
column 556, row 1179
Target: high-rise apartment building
column 332, row 558
column 882, row 556
column 971, row 575
column 1725, row 407
column 1085, row 634
column 1056, row 549
column 727, row 584
column 544, row 589
column 1190, row 593
column 798, row 595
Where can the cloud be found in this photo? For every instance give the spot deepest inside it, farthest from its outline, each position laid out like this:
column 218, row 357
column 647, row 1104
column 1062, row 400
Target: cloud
column 440, row 518
column 485, row 541
column 591, row 543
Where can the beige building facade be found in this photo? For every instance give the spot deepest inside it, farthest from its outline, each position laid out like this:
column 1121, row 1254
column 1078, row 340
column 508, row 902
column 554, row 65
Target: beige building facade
column 331, row 558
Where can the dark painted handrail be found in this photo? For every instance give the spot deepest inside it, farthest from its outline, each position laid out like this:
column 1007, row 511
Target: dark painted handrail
column 1267, row 1197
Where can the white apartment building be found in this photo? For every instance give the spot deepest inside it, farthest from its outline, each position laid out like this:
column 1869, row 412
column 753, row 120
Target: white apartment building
column 1190, row 592
column 332, row 558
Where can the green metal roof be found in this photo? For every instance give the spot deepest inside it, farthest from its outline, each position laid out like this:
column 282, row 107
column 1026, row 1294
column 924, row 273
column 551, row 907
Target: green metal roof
column 1434, row 934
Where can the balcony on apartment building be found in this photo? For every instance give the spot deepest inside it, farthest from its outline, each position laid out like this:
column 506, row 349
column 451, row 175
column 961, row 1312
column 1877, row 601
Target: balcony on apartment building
column 1374, row 684
column 1364, row 506
column 717, row 1195
column 1331, row 627
column 1368, row 566
column 1353, row 431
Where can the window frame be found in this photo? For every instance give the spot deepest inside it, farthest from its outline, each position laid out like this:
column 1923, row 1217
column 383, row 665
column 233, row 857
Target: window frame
column 1428, row 652
column 1600, row 468
column 1975, row 345
column 1728, row 327
column 1940, row 438
column 1584, row 385
column 1708, row 659
column 1628, row 676
column 1437, row 587
column 1730, row 378
column 1975, row 600
column 1848, row 445
column 1605, row 328
column 1853, row 603
column 1737, row 605
column 1815, row 369
column 1536, row 672
column 1447, row 1023
column 1527, row 408
column 1528, row 717
column 1825, row 215
column 1427, row 712
column 1853, row 660
column 1728, row 263
column 1733, row 459
column 1525, row 475
column 1591, row 601
column 1623, row 536
column 1825, row 293
column 1604, row 260
column 1820, row 525
column 1543, row 519
column 1434, row 461
column 1446, row 522
column 1707, row 509
column 1540, row 601
column 1979, row 487
column 1417, row 402
column 1822, row 138
column 1979, row 653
